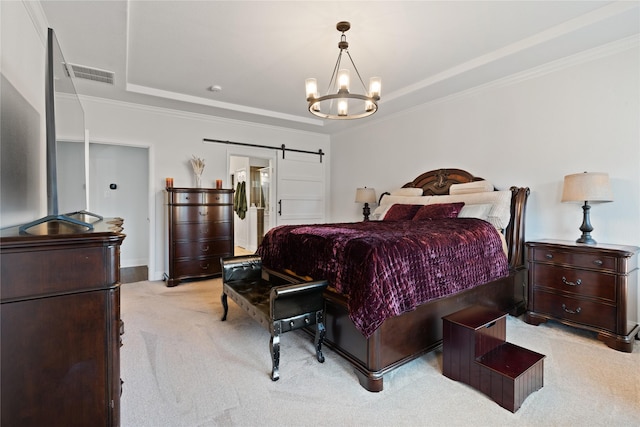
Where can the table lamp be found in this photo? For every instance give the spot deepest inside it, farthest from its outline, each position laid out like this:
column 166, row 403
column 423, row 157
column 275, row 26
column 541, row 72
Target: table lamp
column 587, row 187
column 366, row 195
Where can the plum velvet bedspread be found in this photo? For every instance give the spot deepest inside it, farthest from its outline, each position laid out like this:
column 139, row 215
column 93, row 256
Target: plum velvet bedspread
column 387, row 268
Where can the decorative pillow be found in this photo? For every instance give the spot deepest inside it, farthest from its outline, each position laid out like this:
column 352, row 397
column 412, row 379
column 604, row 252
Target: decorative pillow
column 407, row 192
column 438, row 211
column 401, row 212
column 470, row 187
column 475, row 211
column 500, row 201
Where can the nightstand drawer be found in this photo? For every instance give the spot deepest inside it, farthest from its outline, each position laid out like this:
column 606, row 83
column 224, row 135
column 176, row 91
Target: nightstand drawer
column 579, row 282
column 575, row 259
column 576, row 310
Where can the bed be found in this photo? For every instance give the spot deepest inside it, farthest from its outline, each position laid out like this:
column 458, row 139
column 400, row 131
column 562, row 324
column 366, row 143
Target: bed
column 388, row 291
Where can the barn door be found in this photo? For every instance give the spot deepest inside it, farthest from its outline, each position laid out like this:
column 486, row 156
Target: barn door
column 300, row 189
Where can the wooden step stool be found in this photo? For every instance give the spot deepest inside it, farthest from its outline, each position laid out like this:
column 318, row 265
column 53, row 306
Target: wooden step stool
column 476, row 353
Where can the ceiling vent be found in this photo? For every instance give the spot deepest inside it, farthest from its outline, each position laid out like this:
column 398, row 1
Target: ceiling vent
column 94, row 74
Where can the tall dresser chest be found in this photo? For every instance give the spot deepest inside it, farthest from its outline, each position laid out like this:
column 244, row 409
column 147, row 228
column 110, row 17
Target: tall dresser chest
column 60, row 325
column 200, row 232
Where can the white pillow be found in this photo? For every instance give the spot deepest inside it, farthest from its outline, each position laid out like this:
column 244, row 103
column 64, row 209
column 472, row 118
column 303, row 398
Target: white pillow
column 500, row 202
column 408, row 192
column 470, row 187
column 480, row 211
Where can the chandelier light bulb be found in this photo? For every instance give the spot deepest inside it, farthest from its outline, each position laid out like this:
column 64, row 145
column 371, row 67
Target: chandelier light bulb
column 374, row 87
column 343, row 80
column 368, row 106
column 312, row 88
column 343, row 107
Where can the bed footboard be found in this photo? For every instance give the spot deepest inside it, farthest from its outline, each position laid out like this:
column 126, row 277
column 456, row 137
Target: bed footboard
column 403, row 338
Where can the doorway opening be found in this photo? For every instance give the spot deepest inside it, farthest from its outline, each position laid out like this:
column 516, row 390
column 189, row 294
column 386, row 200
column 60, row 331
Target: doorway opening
column 119, row 187
column 251, row 177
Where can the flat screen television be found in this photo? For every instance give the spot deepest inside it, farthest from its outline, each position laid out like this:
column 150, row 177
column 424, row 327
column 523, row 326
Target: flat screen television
column 67, row 146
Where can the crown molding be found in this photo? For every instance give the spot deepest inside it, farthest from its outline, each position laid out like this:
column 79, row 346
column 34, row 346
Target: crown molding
column 171, row 112
column 40, row 22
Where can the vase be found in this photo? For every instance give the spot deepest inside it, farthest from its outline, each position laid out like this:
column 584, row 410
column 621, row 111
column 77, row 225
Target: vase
column 198, row 181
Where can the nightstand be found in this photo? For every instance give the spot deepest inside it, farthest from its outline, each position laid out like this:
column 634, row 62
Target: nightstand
column 593, row 287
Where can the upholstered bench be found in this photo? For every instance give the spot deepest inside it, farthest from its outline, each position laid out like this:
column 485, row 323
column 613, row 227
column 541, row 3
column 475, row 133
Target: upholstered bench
column 278, row 302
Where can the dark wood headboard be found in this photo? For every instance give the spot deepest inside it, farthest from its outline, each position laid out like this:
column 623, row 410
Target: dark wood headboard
column 437, row 182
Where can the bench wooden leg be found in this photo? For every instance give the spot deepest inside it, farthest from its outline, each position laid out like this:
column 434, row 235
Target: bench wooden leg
column 274, row 346
column 320, row 331
column 225, row 306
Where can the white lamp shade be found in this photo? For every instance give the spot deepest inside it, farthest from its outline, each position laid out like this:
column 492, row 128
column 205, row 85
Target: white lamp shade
column 311, row 86
column 375, row 84
column 587, row 187
column 343, row 79
column 365, row 195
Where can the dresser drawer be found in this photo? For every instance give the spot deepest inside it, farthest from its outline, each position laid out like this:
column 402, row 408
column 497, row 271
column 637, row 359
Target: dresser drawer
column 185, row 198
column 200, row 267
column 579, row 282
column 575, row 259
column 200, row 198
column 201, row 231
column 218, row 198
column 29, row 274
column 202, row 248
column 202, row 213
column 577, row 310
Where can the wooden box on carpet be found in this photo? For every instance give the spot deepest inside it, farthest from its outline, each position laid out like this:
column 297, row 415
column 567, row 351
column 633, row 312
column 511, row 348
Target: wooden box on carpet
column 475, row 352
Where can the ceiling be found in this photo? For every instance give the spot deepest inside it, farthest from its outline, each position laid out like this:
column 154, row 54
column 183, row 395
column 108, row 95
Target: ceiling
column 169, row 53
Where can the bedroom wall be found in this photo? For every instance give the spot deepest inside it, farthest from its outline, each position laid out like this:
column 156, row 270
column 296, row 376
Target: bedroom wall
column 172, row 138
column 579, row 114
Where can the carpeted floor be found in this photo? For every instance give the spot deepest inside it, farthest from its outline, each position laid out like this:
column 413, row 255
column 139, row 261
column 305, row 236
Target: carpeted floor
column 182, row 366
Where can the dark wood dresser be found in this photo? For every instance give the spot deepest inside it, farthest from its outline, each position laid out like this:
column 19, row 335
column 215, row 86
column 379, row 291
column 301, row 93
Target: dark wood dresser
column 60, row 325
column 200, row 232
column 593, row 287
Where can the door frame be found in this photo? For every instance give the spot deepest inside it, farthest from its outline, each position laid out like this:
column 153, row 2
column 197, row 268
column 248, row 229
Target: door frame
column 259, row 153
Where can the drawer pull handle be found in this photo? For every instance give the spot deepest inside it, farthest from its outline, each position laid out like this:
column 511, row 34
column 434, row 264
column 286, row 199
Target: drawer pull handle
column 204, row 267
column 576, row 311
column 566, row 282
column 549, row 256
column 203, row 213
column 598, row 262
column 205, row 248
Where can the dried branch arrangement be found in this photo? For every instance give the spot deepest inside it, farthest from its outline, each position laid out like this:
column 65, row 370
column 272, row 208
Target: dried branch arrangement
column 197, row 164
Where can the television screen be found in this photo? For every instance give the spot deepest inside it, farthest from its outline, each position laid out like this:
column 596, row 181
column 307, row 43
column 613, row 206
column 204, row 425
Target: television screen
column 69, row 142
column 67, row 145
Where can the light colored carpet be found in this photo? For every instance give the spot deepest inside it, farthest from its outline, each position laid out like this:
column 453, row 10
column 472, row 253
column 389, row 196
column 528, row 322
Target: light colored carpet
column 182, row 366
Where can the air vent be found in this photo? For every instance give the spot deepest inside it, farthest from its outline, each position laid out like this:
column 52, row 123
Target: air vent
column 94, row 74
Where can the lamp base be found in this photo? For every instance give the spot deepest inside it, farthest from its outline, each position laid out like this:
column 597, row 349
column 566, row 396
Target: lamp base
column 586, row 240
column 586, row 227
column 366, row 211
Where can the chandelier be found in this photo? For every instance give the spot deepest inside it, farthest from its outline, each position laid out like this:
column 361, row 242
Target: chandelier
column 343, row 105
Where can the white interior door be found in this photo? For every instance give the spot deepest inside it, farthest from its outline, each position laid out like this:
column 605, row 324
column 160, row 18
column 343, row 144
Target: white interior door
column 300, row 189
